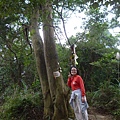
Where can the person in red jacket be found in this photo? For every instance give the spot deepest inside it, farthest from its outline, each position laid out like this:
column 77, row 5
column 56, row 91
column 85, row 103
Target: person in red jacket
column 75, row 82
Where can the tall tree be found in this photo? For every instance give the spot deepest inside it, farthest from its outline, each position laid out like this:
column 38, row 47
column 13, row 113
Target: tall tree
column 51, row 58
column 40, row 61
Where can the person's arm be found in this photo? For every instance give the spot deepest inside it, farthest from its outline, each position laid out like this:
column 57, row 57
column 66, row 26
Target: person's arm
column 82, row 89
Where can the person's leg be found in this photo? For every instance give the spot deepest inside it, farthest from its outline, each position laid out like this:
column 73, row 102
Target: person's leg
column 77, row 109
column 85, row 115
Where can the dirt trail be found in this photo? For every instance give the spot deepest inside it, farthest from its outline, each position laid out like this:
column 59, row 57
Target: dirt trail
column 94, row 115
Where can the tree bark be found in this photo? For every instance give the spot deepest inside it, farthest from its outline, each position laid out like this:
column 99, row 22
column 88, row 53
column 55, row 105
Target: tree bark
column 51, row 59
column 40, row 63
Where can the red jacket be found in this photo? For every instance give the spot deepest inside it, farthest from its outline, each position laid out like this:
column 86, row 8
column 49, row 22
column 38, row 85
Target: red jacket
column 76, row 82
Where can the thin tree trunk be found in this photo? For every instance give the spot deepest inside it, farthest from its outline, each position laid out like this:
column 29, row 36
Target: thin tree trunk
column 51, row 59
column 40, row 63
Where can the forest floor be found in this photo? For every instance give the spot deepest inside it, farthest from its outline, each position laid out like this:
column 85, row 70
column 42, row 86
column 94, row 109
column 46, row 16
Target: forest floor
column 98, row 115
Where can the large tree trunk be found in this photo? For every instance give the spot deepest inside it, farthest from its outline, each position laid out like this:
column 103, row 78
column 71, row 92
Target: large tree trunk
column 51, row 59
column 40, row 63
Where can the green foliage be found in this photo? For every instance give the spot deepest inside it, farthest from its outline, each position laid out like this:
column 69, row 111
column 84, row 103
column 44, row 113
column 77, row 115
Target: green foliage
column 22, row 106
column 16, row 58
column 106, row 99
column 96, row 50
column 64, row 60
column 91, row 69
column 36, row 85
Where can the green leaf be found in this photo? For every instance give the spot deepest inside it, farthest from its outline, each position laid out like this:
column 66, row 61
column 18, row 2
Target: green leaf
column 107, row 3
column 95, row 5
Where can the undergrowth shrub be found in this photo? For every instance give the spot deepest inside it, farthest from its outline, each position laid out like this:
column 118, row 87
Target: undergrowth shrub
column 106, row 99
column 23, row 105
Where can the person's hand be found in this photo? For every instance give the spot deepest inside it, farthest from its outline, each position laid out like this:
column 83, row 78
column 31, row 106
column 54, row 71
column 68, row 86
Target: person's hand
column 83, row 99
column 69, row 75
